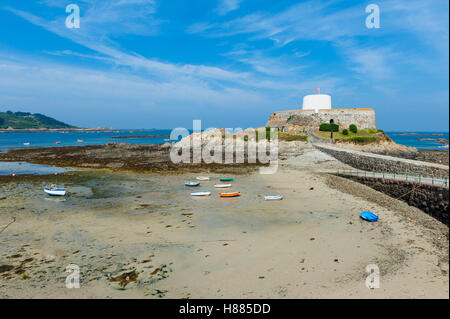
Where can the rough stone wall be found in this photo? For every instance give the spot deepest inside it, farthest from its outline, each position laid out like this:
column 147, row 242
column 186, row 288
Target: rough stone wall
column 362, row 118
column 380, row 163
column 433, row 200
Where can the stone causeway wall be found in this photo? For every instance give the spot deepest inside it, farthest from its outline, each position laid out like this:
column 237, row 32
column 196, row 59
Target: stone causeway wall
column 382, row 163
column 432, row 200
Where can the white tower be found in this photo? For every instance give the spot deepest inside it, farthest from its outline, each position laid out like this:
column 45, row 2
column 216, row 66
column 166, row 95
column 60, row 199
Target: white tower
column 317, row 102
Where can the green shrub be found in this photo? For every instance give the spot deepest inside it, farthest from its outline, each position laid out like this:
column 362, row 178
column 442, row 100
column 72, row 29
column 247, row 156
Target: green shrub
column 353, row 128
column 363, row 139
column 371, row 131
column 345, row 132
column 268, row 131
column 326, row 127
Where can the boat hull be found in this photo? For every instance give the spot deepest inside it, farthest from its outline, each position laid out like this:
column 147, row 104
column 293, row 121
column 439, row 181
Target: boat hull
column 230, row 194
column 192, row 184
column 273, row 197
column 55, row 192
column 222, row 185
column 200, row 193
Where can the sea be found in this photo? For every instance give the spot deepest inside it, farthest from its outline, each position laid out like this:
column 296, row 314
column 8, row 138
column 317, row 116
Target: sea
column 420, row 140
column 13, row 140
column 20, row 140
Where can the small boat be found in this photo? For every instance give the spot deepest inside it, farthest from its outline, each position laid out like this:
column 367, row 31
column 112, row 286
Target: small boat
column 200, row 193
column 203, row 178
column 370, row 217
column 26, row 144
column 80, row 141
column 55, row 191
column 273, row 197
column 57, row 142
column 222, row 185
column 227, row 179
column 192, row 184
column 230, row 194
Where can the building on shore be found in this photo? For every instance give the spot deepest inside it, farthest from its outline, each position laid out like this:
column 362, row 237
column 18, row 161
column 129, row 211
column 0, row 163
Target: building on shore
column 317, row 110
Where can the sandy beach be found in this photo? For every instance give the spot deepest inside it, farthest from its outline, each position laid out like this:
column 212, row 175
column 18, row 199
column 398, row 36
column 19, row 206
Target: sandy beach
column 141, row 235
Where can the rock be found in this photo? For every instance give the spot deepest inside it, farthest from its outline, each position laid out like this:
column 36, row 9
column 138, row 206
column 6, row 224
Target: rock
column 124, row 279
column 5, row 268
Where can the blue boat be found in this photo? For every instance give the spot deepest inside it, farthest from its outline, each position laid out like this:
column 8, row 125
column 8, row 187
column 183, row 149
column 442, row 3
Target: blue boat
column 192, row 184
column 370, row 217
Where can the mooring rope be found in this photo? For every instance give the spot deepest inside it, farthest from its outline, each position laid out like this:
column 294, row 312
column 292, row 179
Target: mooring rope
column 411, row 191
column 14, row 219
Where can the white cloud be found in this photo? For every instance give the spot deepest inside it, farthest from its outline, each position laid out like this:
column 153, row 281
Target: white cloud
column 226, row 6
column 215, row 76
column 373, row 63
column 81, row 92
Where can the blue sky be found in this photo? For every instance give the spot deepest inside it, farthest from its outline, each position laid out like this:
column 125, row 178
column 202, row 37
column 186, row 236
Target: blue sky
column 230, row 63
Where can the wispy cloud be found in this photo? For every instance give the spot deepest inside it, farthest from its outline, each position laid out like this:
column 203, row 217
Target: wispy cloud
column 307, row 20
column 266, row 58
column 164, row 71
column 373, row 63
column 226, row 6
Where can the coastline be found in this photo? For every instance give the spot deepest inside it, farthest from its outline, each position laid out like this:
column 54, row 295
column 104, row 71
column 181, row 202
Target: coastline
column 46, row 130
column 132, row 227
column 117, row 223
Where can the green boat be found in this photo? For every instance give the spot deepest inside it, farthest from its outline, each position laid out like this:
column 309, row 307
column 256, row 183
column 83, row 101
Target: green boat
column 227, row 179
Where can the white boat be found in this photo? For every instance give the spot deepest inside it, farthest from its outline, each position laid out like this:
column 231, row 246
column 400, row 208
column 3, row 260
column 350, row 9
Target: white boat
column 222, row 185
column 203, row 178
column 273, row 197
column 26, row 144
column 55, row 191
column 200, row 193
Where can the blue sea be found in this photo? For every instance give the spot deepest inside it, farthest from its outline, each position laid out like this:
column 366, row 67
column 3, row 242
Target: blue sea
column 48, row 139
column 412, row 139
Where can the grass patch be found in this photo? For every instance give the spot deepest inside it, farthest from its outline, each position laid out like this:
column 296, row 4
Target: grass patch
column 292, row 138
column 365, row 136
column 363, row 139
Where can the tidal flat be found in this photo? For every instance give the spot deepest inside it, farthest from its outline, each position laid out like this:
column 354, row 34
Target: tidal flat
column 141, row 235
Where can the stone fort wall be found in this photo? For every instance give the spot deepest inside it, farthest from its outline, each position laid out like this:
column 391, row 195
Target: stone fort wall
column 362, row 118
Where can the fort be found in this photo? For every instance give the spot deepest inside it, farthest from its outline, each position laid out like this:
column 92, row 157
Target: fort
column 317, row 110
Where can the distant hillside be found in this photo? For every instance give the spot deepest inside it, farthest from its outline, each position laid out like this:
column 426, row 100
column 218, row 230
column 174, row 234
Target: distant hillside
column 24, row 120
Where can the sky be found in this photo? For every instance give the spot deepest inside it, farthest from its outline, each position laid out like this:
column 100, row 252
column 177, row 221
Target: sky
column 229, row 63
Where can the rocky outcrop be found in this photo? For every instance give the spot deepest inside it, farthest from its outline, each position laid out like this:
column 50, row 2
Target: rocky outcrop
column 119, row 156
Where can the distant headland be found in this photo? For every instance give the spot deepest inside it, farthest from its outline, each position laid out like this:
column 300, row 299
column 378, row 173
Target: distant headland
column 28, row 122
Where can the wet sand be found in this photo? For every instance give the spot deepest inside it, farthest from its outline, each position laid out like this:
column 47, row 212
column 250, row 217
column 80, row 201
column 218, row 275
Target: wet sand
column 142, row 236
